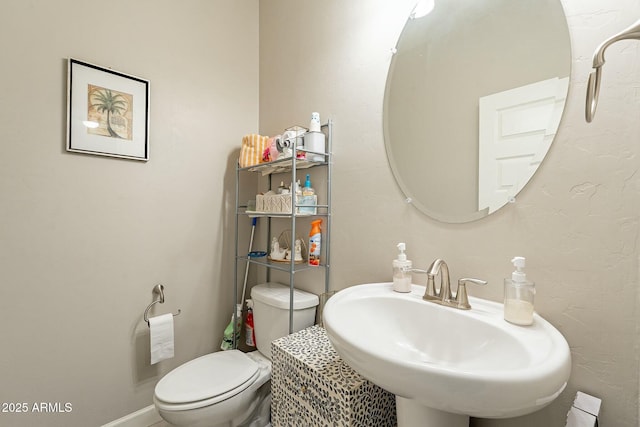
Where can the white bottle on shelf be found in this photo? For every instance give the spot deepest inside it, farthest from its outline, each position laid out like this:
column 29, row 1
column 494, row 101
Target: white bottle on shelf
column 314, row 139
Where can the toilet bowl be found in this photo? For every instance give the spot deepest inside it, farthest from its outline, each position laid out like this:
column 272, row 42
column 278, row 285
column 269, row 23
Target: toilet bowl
column 223, row 386
column 232, row 388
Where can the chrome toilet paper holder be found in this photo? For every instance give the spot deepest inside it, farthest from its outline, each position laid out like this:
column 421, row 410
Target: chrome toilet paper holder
column 159, row 290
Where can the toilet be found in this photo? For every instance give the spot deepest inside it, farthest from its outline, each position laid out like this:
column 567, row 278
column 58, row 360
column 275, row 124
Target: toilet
column 232, row 388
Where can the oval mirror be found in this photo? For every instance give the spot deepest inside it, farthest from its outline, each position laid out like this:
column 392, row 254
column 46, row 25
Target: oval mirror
column 474, row 97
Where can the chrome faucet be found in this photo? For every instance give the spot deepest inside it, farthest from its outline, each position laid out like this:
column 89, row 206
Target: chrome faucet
column 443, row 295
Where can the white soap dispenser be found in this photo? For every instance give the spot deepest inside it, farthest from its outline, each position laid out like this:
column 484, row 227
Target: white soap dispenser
column 518, row 295
column 402, row 271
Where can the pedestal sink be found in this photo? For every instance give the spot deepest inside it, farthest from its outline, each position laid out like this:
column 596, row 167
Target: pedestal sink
column 445, row 364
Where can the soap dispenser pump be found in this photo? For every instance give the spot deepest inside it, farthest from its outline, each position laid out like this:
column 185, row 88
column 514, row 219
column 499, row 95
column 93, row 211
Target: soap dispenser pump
column 519, row 295
column 402, row 271
column 307, row 190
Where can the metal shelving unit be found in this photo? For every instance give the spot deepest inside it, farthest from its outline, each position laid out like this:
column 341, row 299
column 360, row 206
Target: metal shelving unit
column 289, row 166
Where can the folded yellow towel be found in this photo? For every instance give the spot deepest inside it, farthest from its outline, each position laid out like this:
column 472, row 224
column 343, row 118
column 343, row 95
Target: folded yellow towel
column 253, row 147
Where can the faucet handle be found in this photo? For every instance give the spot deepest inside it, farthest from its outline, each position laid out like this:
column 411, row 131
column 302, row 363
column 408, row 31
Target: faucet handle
column 462, row 299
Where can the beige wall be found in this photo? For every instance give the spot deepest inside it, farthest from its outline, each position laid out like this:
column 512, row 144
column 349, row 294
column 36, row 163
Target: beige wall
column 83, row 239
column 577, row 221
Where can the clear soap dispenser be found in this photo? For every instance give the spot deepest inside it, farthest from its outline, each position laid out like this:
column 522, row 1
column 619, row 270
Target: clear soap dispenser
column 308, row 200
column 402, row 271
column 518, row 295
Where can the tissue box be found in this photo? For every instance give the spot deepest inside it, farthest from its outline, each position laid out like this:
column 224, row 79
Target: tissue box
column 307, row 205
column 584, row 412
column 273, row 203
column 312, row 386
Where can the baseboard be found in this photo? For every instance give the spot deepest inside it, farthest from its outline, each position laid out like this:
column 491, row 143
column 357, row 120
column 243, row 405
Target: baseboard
column 142, row 418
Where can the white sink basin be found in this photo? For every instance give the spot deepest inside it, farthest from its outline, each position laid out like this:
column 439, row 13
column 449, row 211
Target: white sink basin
column 461, row 362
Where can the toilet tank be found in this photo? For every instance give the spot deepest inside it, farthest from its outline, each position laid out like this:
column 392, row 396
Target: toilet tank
column 271, row 313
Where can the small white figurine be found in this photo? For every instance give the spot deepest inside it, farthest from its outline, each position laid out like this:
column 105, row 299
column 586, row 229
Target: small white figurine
column 298, row 255
column 277, row 254
column 297, row 252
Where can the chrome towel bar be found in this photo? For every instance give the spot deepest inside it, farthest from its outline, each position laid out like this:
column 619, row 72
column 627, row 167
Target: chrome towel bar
column 157, row 289
column 593, row 84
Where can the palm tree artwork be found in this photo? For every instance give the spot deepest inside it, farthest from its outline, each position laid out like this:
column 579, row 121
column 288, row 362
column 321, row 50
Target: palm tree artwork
column 112, row 111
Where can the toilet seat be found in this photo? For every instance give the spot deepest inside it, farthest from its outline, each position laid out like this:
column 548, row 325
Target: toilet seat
column 206, row 380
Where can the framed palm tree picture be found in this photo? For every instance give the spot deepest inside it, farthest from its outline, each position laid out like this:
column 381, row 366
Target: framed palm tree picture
column 107, row 112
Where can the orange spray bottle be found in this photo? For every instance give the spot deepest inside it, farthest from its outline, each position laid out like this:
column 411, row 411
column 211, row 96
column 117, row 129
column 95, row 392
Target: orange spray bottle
column 315, row 237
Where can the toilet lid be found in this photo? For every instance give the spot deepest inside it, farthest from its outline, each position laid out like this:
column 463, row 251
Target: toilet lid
column 206, row 377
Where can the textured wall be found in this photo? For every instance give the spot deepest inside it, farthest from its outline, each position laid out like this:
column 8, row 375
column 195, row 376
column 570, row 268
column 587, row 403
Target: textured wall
column 576, row 222
column 83, row 239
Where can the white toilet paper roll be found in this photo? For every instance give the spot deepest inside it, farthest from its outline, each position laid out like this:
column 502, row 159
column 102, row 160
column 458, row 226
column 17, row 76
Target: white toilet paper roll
column 289, row 139
column 161, row 334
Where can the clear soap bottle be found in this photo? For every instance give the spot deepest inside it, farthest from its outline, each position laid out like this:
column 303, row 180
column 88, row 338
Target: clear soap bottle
column 402, row 271
column 519, row 295
column 308, row 200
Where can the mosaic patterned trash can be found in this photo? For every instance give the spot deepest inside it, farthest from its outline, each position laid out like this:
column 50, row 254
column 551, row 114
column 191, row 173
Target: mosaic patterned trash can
column 312, row 386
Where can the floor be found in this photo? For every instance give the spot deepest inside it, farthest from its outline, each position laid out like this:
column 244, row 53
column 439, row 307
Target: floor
column 161, row 424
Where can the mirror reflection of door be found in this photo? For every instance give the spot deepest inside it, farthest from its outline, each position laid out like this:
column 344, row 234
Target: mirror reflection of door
column 444, row 63
column 516, row 128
